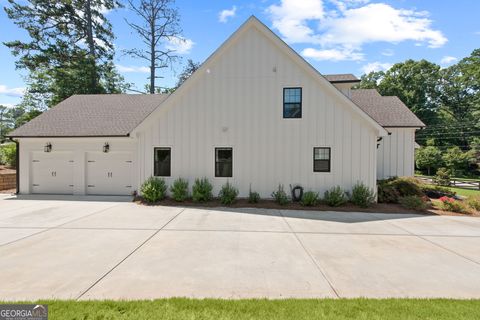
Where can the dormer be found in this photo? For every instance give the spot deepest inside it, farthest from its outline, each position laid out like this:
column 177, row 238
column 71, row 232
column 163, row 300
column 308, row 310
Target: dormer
column 343, row 82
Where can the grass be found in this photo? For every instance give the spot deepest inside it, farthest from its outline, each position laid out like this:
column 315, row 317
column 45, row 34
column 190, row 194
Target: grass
column 465, row 192
column 475, row 179
column 332, row 309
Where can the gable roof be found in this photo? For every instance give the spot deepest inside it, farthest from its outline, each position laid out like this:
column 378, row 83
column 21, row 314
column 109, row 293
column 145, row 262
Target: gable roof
column 341, row 78
column 388, row 111
column 95, row 115
column 253, row 22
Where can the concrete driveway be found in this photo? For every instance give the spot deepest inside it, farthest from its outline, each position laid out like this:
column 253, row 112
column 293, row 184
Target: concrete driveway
column 120, row 250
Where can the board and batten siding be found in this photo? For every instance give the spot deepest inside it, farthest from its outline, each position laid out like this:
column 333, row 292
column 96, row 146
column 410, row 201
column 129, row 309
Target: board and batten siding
column 396, row 153
column 237, row 101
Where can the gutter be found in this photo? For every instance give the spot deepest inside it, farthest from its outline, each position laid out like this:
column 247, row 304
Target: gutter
column 17, row 164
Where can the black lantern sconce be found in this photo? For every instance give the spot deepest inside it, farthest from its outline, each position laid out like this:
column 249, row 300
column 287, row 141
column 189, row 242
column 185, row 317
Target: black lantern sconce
column 47, row 147
column 106, row 147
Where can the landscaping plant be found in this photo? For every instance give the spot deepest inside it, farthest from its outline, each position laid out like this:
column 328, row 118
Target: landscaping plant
column 8, row 155
column 153, row 189
column 443, row 177
column 253, row 197
column 436, row 192
column 413, row 202
column 362, row 195
column 474, row 202
column 228, row 194
column 450, row 204
column 202, row 190
column 280, row 196
column 310, row 199
column 179, row 190
column 335, row 197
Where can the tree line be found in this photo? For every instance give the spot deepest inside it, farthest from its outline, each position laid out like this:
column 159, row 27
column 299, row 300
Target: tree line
column 69, row 50
column 447, row 100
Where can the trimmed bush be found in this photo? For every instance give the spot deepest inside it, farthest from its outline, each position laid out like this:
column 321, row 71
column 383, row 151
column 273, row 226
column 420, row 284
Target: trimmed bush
column 179, row 190
column 8, row 155
column 253, row 197
column 474, row 202
column 280, row 196
column 310, row 199
column 450, row 204
column 228, row 194
column 391, row 190
column 413, row 202
column 202, row 190
column 153, row 189
column 362, row 195
column 335, row 197
column 443, row 177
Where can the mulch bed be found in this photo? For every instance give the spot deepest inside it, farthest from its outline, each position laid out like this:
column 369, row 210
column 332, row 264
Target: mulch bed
column 270, row 204
column 7, row 170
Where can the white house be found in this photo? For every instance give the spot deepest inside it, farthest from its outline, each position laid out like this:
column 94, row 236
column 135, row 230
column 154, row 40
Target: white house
column 255, row 114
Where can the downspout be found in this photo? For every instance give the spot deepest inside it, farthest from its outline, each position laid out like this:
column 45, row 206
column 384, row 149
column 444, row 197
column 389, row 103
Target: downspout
column 17, row 164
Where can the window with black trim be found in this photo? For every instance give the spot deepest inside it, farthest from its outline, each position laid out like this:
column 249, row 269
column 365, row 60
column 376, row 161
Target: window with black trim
column 321, row 159
column 292, row 103
column 223, row 162
column 162, row 162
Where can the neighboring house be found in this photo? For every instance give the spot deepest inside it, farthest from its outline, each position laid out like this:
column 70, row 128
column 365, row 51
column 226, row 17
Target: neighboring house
column 255, row 114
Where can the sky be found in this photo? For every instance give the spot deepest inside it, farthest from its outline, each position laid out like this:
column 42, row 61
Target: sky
column 335, row 36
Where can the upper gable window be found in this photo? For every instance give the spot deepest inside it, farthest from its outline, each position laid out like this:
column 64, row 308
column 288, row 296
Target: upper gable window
column 292, row 102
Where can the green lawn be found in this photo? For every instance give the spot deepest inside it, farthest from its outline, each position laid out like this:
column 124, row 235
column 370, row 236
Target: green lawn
column 465, row 192
column 179, row 308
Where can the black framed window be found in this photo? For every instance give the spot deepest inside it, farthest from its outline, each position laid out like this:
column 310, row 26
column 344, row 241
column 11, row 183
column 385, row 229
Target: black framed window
column 292, row 102
column 162, row 158
column 321, row 159
column 223, row 162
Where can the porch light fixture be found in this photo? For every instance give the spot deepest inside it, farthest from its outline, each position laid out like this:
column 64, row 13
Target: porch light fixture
column 106, row 147
column 47, row 147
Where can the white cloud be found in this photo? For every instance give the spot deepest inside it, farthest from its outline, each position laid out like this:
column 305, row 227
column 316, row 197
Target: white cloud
column 227, row 13
column 388, row 52
column 376, row 66
column 132, row 69
column 180, row 45
column 291, row 19
column 332, row 54
column 11, row 92
column 350, row 25
column 448, row 60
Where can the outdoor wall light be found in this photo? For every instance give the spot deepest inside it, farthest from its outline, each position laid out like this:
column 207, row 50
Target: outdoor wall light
column 47, row 147
column 106, row 147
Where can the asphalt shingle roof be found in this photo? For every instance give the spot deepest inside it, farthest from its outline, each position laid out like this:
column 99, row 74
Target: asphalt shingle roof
column 92, row 115
column 347, row 77
column 388, row 111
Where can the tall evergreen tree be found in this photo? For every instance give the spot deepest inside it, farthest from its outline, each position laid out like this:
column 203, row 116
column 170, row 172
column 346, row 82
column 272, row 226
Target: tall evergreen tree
column 68, row 40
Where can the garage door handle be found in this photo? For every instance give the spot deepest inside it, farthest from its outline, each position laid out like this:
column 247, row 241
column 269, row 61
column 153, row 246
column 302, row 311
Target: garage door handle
column 91, row 186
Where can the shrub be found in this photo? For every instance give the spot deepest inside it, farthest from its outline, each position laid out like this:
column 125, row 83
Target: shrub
column 153, row 189
column 179, row 190
column 474, row 202
column 436, row 192
column 228, row 194
column 8, row 155
column 413, row 202
column 443, row 177
column 202, row 190
column 335, row 197
column 253, row 197
column 362, row 195
column 310, row 198
column 407, row 186
column 450, row 204
column 387, row 193
column 280, row 196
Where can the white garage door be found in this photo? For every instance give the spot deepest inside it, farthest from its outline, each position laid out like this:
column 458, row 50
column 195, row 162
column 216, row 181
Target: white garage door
column 52, row 172
column 109, row 173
